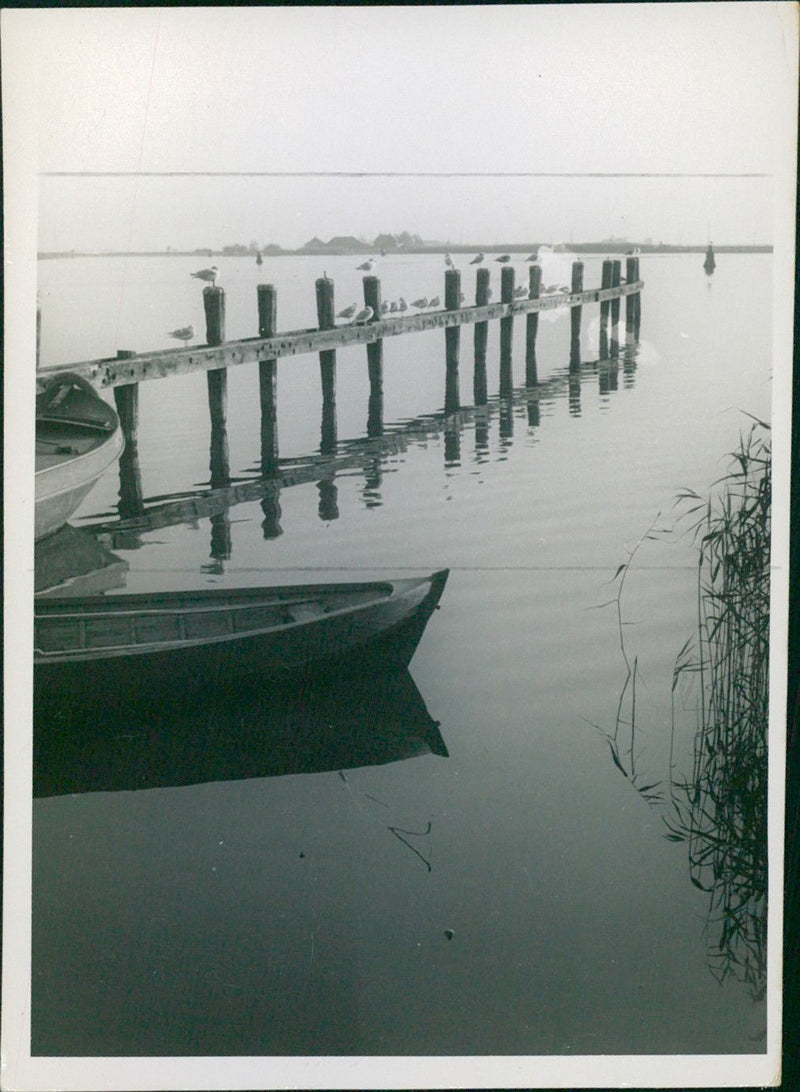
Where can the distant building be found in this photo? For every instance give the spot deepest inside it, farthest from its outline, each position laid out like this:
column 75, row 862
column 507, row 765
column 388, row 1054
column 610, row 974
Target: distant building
column 385, row 242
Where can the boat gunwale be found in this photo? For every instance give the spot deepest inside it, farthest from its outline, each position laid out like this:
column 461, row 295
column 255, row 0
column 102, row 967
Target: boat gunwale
column 398, row 589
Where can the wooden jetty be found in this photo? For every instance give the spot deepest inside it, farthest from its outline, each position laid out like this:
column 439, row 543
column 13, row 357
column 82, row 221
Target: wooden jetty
column 126, row 370
column 270, row 346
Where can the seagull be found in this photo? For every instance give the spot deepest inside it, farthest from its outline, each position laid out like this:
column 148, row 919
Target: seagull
column 384, row 307
column 363, row 316
column 521, row 291
column 393, row 308
column 448, row 261
column 422, row 302
column 183, row 333
column 532, row 257
column 503, row 258
column 348, row 311
column 367, row 265
column 477, row 259
column 434, row 302
column 403, row 306
column 209, row 275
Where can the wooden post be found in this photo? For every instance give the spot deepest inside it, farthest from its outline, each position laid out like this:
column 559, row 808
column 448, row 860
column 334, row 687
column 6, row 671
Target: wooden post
column 575, row 317
column 616, row 272
column 506, row 324
column 452, row 335
column 327, row 365
column 605, row 308
column 268, row 379
column 506, row 337
column 126, row 399
column 372, row 298
column 630, row 301
column 480, row 395
column 637, row 314
column 532, row 327
column 217, row 379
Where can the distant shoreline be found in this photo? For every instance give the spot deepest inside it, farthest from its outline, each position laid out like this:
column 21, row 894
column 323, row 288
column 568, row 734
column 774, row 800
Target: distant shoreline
column 319, row 252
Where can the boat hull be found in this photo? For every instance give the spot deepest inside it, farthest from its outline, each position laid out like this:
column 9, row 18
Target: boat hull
column 78, row 437
column 379, row 633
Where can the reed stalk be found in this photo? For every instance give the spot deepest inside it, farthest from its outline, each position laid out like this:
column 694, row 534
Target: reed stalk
column 720, row 811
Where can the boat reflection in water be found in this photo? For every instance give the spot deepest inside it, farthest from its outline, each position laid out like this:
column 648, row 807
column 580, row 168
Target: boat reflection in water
column 283, row 680
column 325, row 724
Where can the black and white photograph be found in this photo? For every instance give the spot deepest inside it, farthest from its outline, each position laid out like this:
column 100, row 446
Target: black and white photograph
column 397, row 420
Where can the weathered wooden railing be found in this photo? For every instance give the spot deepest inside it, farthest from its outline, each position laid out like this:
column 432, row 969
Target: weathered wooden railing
column 268, row 346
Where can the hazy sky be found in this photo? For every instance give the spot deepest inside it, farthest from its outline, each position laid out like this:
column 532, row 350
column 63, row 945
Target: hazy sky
column 549, row 88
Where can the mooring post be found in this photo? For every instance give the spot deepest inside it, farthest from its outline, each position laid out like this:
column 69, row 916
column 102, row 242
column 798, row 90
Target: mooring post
column 327, row 365
column 575, row 317
column 506, row 333
column 605, row 308
column 630, row 301
column 480, row 395
column 616, row 273
column 126, row 399
column 217, row 379
column 372, row 298
column 268, row 378
column 452, row 336
column 637, row 311
column 506, row 296
column 532, row 327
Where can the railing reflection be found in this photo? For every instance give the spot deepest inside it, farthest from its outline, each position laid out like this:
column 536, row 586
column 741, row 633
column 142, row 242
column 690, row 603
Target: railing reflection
column 370, row 452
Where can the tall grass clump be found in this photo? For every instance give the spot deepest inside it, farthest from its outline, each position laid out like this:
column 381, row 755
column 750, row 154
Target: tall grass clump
column 720, row 810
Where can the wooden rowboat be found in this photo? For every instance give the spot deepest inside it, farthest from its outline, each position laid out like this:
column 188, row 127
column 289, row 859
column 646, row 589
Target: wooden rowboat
column 78, row 436
column 118, row 644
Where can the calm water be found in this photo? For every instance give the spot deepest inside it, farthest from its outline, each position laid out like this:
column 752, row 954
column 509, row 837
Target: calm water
column 196, row 892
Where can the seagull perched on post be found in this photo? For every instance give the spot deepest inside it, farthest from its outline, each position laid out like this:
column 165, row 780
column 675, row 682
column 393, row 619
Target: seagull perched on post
column 434, row 302
column 521, row 291
column 532, row 257
column 421, row 302
column 183, row 333
column 402, row 306
column 367, row 265
column 348, row 311
column 208, row 275
column 363, row 316
column 448, row 261
column 503, row 258
column 477, row 259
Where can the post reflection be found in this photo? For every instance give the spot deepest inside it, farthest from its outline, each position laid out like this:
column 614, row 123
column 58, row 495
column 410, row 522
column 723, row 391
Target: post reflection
column 328, row 507
column 373, row 477
column 574, row 394
column 271, row 508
